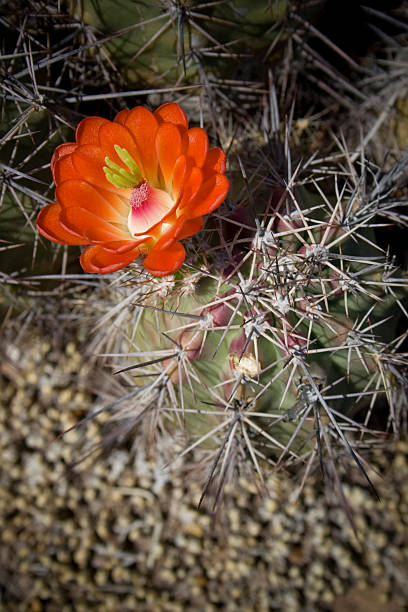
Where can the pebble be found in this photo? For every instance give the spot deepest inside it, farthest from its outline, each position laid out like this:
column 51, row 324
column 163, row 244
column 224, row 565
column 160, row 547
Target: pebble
column 106, row 536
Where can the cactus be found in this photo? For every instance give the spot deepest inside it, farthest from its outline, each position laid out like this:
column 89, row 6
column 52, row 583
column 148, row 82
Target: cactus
column 158, row 43
column 278, row 339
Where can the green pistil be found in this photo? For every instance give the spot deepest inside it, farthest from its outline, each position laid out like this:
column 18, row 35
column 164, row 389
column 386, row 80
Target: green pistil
column 118, row 176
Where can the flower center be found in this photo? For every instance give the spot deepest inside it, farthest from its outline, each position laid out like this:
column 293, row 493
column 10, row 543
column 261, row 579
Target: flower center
column 118, row 176
column 148, row 207
column 139, row 195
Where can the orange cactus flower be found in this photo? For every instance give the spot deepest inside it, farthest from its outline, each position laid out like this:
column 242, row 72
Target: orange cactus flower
column 134, row 186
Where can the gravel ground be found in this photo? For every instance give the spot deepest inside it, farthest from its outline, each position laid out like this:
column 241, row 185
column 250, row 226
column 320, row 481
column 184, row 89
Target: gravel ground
column 121, row 534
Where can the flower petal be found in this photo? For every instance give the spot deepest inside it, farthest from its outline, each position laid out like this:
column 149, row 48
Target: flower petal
column 166, row 261
column 121, row 117
column 179, row 174
column 143, row 126
column 197, row 146
column 191, row 227
column 216, row 161
column 99, row 260
column 49, row 225
column 60, row 152
column 172, row 113
column 169, row 148
column 88, row 130
column 93, row 227
column 77, row 193
column 89, row 161
column 123, row 246
column 211, row 194
column 65, row 170
column 190, row 189
column 112, row 134
column 169, row 232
